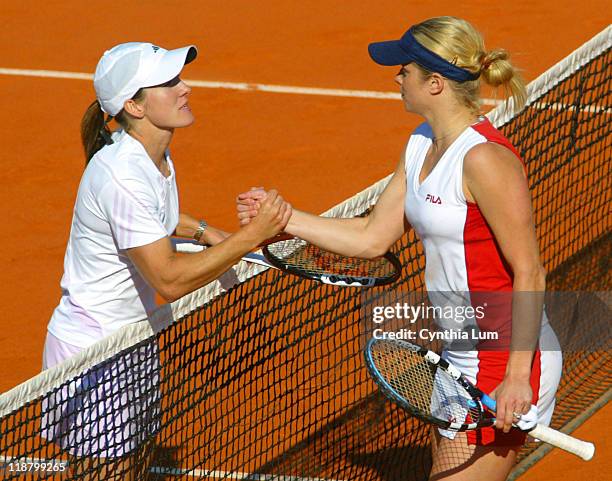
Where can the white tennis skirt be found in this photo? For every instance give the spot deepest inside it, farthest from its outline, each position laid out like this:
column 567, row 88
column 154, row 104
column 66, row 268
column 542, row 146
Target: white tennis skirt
column 110, row 410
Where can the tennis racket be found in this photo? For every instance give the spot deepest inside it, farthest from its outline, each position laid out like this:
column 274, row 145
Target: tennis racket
column 432, row 389
column 296, row 256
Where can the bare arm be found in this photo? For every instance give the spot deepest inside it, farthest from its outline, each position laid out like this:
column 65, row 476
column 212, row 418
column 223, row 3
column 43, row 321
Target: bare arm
column 495, row 179
column 173, row 275
column 366, row 237
column 188, row 225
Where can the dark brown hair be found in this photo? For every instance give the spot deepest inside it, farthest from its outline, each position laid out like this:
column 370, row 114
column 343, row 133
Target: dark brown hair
column 95, row 133
column 92, row 125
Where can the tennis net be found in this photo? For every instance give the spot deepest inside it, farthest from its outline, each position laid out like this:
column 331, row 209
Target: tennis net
column 264, row 380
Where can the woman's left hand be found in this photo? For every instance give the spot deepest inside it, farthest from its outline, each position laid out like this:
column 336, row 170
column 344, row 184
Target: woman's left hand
column 248, row 204
column 513, row 396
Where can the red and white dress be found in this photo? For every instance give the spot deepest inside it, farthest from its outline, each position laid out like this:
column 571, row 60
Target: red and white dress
column 463, row 261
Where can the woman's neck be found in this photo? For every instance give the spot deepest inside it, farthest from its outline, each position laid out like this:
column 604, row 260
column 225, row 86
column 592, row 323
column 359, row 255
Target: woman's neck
column 447, row 126
column 156, row 142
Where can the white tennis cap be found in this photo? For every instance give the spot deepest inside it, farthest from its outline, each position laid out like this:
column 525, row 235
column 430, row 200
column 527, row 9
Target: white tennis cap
column 128, row 67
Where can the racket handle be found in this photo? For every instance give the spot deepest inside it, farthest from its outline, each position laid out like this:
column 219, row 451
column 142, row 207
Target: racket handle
column 582, row 449
column 489, row 402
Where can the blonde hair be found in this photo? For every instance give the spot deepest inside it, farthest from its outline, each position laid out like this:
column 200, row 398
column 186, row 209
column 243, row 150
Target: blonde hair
column 458, row 42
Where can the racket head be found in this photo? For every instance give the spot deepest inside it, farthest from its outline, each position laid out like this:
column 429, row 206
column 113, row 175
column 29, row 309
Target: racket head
column 298, row 257
column 422, row 383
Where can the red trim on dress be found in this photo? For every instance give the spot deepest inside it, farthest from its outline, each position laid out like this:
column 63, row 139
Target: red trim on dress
column 490, row 280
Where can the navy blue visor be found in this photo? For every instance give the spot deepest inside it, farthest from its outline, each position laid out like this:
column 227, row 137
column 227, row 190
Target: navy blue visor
column 407, row 50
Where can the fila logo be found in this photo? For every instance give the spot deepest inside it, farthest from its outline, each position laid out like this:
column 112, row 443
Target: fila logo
column 155, row 48
column 433, row 199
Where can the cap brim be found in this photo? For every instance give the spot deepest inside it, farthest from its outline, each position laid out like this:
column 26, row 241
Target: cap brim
column 389, row 53
column 192, row 53
column 171, row 65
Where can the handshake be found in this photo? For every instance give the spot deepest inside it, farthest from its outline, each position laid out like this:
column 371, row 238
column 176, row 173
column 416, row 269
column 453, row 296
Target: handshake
column 265, row 212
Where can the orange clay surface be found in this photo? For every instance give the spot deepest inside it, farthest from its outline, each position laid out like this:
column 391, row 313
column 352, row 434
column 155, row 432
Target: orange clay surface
column 316, row 150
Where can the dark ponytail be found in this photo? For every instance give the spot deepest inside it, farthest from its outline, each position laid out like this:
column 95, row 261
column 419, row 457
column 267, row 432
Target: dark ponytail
column 94, row 132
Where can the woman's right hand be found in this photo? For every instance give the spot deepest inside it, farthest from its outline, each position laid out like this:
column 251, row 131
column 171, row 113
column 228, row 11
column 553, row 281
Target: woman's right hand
column 248, row 204
column 271, row 214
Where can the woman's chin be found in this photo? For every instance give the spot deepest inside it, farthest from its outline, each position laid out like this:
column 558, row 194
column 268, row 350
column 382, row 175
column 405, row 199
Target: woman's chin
column 187, row 119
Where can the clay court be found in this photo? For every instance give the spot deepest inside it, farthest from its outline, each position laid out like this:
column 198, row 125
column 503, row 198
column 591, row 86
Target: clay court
column 316, row 149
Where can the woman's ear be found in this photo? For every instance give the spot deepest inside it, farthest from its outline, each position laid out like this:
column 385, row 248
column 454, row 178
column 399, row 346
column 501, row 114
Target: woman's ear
column 135, row 109
column 436, row 83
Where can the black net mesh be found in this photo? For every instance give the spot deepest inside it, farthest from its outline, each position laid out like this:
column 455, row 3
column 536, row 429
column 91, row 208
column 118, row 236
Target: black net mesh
column 267, row 381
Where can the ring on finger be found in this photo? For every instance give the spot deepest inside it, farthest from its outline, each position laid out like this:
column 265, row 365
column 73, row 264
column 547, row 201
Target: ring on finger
column 517, row 415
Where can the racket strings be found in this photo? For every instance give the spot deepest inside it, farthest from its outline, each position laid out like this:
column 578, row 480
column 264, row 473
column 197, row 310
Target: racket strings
column 452, row 403
column 407, row 373
column 312, row 259
column 429, row 390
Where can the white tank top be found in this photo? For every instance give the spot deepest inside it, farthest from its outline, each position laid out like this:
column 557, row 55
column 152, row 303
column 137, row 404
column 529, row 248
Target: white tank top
column 465, row 267
column 460, row 250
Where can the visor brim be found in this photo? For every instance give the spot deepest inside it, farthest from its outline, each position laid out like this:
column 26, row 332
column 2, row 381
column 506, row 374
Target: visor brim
column 389, row 53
